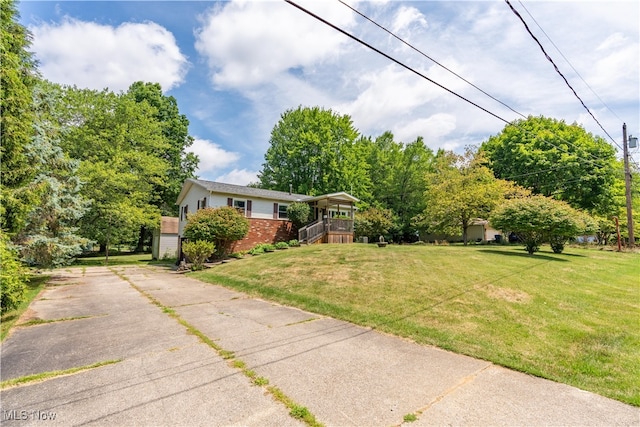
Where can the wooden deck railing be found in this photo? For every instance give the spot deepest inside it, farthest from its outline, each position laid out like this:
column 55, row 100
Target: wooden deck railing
column 311, row 232
column 317, row 229
column 342, row 225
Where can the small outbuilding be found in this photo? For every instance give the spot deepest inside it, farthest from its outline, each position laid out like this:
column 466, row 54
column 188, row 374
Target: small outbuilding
column 165, row 239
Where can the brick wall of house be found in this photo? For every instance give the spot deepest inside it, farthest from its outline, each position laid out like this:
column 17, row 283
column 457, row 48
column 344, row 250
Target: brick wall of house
column 265, row 231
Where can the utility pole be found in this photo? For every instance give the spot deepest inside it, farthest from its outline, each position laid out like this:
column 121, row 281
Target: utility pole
column 627, row 183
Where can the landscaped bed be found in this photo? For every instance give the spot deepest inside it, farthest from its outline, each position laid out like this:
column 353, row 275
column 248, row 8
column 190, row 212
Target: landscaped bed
column 570, row 317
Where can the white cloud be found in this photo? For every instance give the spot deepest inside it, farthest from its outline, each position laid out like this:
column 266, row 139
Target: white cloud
column 213, row 158
column 247, row 43
column 239, row 177
column 406, row 18
column 96, row 56
column 432, row 129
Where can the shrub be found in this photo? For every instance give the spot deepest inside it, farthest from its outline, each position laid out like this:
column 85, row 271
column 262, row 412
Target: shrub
column 198, row 252
column 282, row 245
column 539, row 219
column 256, row 250
column 294, row 242
column 222, row 226
column 13, row 276
column 374, row 223
column 298, row 214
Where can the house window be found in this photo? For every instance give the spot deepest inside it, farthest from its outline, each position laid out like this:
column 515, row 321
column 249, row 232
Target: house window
column 282, row 212
column 183, row 212
column 241, row 205
column 202, row 203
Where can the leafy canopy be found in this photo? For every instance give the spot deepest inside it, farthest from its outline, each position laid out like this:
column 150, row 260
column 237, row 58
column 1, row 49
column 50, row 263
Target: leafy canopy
column 398, row 178
column 299, row 213
column 459, row 190
column 313, row 150
column 555, row 159
column 374, row 222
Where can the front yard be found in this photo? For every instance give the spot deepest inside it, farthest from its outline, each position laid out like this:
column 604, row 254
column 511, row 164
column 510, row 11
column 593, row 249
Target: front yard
column 572, row 317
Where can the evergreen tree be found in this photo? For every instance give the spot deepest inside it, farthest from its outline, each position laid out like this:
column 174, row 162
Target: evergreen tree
column 18, row 76
column 49, row 237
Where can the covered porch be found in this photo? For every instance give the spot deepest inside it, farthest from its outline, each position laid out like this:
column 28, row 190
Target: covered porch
column 333, row 216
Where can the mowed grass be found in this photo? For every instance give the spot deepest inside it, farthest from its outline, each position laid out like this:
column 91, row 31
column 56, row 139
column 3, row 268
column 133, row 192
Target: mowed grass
column 571, row 317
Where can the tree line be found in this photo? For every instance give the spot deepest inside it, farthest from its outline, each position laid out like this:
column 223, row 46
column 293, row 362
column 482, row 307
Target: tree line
column 407, row 189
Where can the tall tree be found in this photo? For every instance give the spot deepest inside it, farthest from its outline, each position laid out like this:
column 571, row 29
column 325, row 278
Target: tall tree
column 49, row 237
column 555, row 159
column 398, row 174
column 459, row 190
column 18, row 76
column 117, row 141
column 313, row 150
column 175, row 129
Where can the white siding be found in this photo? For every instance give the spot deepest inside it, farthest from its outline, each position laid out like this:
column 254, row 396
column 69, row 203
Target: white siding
column 168, row 246
column 260, row 208
column 191, row 200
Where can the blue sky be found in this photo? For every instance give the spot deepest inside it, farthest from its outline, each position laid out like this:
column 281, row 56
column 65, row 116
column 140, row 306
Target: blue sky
column 236, row 66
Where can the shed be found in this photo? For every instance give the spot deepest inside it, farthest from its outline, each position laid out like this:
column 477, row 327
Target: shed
column 165, row 239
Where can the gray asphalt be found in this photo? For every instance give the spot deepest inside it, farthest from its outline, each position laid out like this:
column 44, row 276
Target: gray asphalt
column 344, row 374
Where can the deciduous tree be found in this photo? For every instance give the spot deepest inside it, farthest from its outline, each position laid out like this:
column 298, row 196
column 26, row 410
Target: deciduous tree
column 459, row 190
column 117, row 141
column 312, row 151
column 555, row 159
column 174, row 127
column 374, row 222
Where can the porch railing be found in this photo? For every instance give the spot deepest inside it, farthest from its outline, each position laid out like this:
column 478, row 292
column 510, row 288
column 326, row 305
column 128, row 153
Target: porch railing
column 342, row 225
column 314, row 231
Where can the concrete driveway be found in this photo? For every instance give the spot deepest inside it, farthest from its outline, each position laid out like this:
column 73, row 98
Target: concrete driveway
column 344, row 374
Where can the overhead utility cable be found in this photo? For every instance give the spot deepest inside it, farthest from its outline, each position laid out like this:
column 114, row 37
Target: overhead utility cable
column 430, row 58
column 556, row 68
column 570, row 64
column 425, row 77
column 362, row 42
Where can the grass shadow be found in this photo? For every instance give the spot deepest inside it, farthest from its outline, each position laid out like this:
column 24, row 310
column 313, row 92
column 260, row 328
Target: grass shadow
column 525, row 254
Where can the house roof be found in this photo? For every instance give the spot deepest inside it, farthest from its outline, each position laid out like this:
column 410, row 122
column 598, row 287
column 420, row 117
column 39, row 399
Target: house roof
column 239, row 190
column 341, row 196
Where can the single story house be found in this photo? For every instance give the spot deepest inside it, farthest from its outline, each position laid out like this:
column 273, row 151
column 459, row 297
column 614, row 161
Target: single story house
column 479, row 231
column 267, row 212
column 165, row 239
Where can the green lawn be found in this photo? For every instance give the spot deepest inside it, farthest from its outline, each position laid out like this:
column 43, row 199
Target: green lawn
column 572, row 317
column 35, row 285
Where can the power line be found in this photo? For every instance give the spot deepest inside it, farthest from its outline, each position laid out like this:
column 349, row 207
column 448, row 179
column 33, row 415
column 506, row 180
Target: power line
column 467, row 81
column 430, row 58
column 570, row 64
column 432, row 81
column 557, row 69
column 362, row 42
